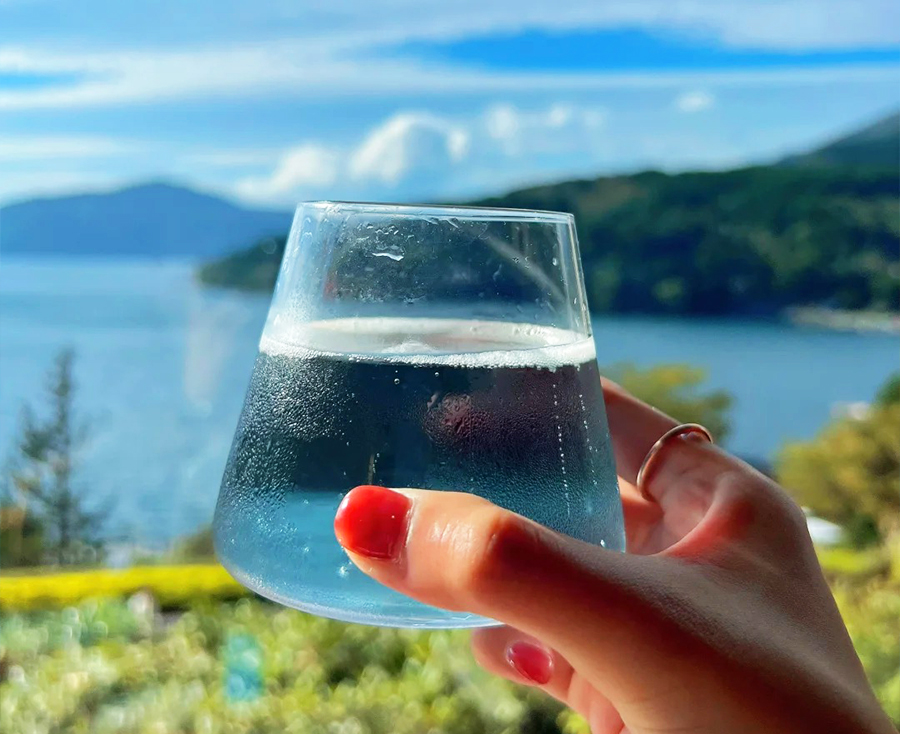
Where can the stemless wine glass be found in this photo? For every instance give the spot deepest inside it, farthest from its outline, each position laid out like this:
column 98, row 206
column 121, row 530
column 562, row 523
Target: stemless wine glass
column 445, row 348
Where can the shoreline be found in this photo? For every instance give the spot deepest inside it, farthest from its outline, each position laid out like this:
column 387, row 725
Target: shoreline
column 843, row 320
column 822, row 317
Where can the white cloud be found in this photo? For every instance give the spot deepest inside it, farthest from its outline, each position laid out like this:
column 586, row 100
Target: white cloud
column 306, row 166
column 264, row 72
column 408, row 150
column 236, row 158
column 349, row 51
column 408, row 144
column 415, row 154
column 291, row 69
column 781, row 24
column 557, row 128
column 24, row 185
column 502, row 122
column 117, row 78
column 695, row 101
column 360, row 24
column 54, row 147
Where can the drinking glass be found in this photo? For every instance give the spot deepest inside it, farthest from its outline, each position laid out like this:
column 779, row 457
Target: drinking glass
column 446, row 348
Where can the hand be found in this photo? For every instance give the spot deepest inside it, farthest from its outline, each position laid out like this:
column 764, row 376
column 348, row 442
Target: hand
column 718, row 620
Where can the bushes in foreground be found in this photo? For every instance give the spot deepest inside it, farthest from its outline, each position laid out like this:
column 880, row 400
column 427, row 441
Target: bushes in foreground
column 251, row 667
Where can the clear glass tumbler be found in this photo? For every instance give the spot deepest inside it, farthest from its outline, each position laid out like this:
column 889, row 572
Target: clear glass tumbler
column 445, row 348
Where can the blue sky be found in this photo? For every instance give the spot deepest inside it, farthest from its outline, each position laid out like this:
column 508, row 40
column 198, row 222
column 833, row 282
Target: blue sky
column 273, row 101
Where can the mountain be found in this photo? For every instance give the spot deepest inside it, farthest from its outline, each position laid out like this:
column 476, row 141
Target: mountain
column 749, row 241
column 818, row 228
column 152, row 220
column 877, row 144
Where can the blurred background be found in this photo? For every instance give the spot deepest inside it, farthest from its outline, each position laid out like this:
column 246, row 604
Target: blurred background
column 733, row 169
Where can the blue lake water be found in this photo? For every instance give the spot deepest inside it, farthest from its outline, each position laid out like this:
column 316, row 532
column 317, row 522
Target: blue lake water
column 162, row 366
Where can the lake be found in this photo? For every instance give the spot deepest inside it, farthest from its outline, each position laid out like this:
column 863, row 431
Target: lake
column 162, row 365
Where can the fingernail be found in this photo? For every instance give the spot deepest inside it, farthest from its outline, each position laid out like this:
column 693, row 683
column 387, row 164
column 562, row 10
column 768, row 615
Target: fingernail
column 530, row 661
column 371, row 521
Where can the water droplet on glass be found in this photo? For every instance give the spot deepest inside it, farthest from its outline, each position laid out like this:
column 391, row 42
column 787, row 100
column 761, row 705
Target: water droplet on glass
column 396, row 380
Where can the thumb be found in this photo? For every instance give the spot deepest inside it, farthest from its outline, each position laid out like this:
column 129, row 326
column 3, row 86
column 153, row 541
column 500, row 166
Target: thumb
column 460, row 552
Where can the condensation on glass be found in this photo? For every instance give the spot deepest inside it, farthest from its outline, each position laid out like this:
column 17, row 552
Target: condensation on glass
column 447, row 348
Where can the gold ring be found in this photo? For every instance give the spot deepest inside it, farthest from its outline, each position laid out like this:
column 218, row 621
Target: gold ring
column 684, row 430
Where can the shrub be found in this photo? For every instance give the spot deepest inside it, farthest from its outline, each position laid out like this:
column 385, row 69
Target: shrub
column 171, row 586
column 317, row 676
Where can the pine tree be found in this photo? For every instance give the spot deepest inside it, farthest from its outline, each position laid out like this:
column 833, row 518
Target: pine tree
column 40, row 475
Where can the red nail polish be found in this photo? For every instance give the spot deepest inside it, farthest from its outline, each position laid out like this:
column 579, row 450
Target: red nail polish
column 531, row 662
column 371, row 521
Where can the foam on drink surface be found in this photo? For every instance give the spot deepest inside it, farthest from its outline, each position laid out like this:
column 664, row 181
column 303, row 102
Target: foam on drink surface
column 451, row 342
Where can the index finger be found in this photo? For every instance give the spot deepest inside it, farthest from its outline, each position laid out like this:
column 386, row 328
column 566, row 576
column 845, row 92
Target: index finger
column 458, row 551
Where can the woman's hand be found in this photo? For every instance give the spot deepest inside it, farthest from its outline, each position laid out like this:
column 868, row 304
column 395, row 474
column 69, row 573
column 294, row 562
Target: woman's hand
column 718, row 620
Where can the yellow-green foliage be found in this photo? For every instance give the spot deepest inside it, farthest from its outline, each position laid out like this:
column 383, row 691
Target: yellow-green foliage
column 677, row 389
column 110, row 667
column 850, row 473
column 840, row 562
column 116, row 666
column 871, row 612
column 171, row 586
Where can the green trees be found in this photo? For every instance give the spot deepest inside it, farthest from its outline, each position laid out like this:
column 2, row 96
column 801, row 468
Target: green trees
column 45, row 518
column 674, row 389
column 750, row 241
column 850, row 473
column 253, row 269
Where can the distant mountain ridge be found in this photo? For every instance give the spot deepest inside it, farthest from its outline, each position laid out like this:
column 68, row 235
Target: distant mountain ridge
column 149, row 220
column 816, row 230
column 877, row 144
column 165, row 220
column 751, row 241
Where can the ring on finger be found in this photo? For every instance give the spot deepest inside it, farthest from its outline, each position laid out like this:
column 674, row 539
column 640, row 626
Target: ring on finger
column 680, row 432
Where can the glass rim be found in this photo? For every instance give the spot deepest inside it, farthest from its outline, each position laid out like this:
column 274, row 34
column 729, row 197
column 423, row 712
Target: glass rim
column 460, row 211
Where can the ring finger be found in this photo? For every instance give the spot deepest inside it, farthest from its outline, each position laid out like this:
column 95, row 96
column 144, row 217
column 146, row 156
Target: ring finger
column 684, row 474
